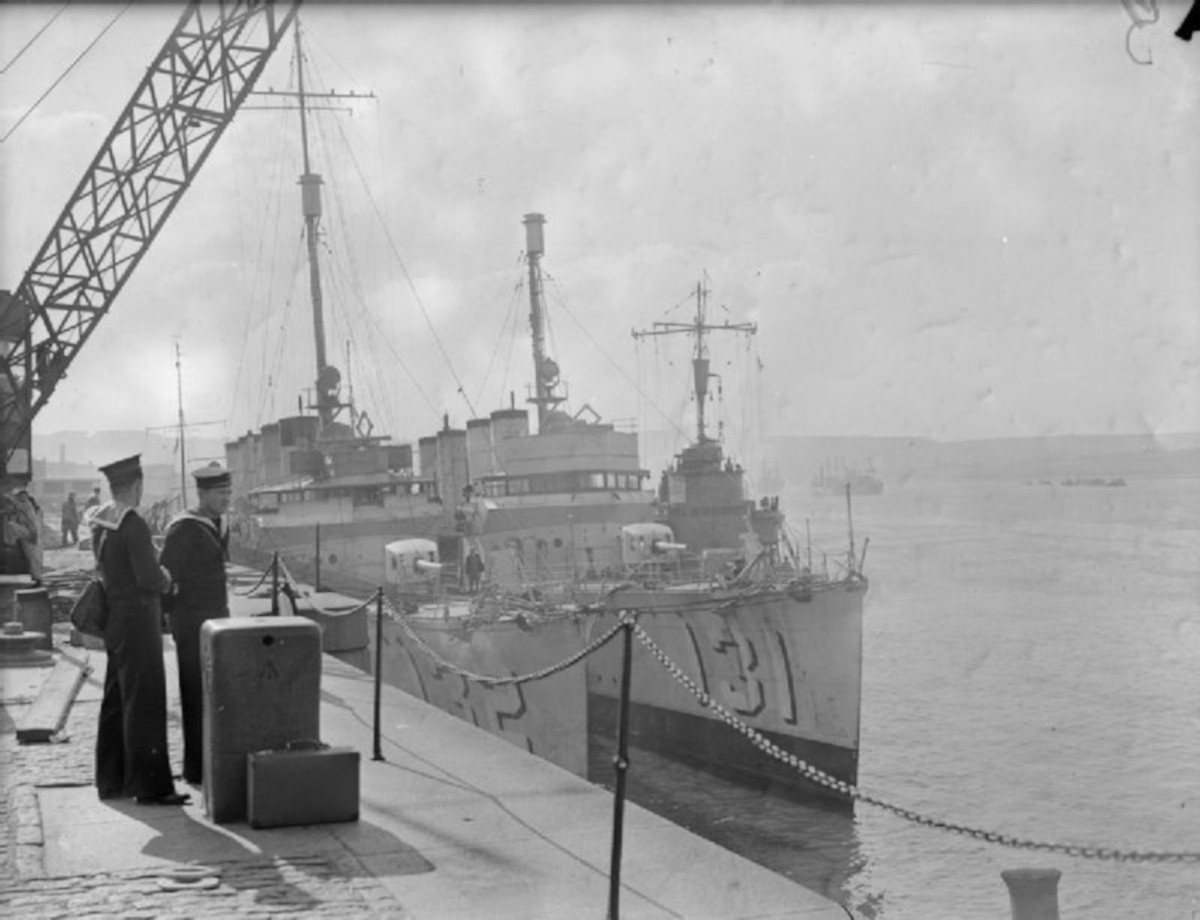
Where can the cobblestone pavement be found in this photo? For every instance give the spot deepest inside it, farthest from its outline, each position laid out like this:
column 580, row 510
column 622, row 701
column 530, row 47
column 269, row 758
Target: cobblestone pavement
column 256, row 887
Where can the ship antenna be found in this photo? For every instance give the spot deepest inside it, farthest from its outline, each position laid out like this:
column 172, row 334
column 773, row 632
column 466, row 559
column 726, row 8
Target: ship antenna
column 698, row 327
column 853, row 557
column 182, row 449
column 808, row 535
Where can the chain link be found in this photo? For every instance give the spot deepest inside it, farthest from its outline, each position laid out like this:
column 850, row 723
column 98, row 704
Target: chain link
column 813, row 774
column 402, row 620
column 824, row 779
column 258, row 584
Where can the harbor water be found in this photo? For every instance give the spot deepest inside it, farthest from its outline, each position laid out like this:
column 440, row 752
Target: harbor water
column 1031, row 667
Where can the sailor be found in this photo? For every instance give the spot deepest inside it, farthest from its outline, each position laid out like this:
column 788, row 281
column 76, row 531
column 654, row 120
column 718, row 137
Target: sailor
column 131, row 740
column 70, row 521
column 474, row 567
column 195, row 550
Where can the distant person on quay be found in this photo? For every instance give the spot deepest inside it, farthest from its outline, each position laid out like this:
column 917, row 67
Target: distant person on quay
column 474, row 568
column 70, row 521
column 132, row 759
column 194, row 552
column 94, row 498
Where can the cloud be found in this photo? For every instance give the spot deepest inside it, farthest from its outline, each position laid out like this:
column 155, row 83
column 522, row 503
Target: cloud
column 973, row 221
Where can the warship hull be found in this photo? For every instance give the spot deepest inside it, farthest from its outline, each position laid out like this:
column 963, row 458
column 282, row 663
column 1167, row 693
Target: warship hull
column 786, row 663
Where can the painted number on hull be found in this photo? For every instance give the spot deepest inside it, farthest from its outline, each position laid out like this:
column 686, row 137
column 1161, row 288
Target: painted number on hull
column 733, row 671
column 491, row 707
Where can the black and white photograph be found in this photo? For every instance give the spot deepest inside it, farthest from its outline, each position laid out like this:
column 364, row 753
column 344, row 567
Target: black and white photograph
column 543, row 460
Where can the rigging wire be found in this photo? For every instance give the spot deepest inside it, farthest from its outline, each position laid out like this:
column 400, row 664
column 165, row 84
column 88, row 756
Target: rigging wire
column 509, row 316
column 37, row 35
column 268, row 251
column 518, row 297
column 621, row 370
column 382, row 337
column 348, row 275
column 269, row 392
column 461, row 389
column 20, row 121
column 352, row 278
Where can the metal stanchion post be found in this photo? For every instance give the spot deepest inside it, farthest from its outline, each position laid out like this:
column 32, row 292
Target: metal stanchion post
column 378, row 668
column 275, row 585
column 621, row 765
column 317, row 574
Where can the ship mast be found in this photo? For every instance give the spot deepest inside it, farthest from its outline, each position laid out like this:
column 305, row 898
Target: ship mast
column 310, row 192
column 545, row 369
column 699, row 328
column 182, row 447
column 328, row 380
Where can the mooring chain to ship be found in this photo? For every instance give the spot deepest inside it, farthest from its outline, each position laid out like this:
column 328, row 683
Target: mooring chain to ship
column 258, row 584
column 290, row 581
column 764, row 744
column 853, row 792
column 399, row 618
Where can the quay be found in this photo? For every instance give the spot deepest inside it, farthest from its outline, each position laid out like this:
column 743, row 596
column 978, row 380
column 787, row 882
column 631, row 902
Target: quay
column 454, row 823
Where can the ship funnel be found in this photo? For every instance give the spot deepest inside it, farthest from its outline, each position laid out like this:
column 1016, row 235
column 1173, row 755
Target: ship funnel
column 535, row 244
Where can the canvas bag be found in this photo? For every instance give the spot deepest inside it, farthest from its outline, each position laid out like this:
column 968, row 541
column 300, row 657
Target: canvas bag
column 89, row 614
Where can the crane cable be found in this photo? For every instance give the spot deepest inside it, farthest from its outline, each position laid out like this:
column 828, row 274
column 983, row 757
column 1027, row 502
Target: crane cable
column 29, row 44
column 62, row 76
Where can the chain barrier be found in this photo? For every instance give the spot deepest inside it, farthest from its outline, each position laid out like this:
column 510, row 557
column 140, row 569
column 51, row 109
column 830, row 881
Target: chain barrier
column 258, row 584
column 296, row 588
column 824, row 779
column 399, row 618
column 813, row 774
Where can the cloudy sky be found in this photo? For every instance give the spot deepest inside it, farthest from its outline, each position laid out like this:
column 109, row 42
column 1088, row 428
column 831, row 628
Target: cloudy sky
column 952, row 221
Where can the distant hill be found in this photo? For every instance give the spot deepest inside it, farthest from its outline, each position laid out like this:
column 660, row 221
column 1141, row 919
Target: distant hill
column 1081, row 456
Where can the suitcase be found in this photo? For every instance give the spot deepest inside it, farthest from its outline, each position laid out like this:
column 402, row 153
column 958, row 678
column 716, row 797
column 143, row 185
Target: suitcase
column 301, row 787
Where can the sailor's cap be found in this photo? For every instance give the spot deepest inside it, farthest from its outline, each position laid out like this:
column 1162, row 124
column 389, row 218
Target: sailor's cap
column 213, row 476
column 120, row 472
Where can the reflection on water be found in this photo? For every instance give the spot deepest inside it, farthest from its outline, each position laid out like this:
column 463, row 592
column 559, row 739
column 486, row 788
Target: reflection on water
column 813, row 846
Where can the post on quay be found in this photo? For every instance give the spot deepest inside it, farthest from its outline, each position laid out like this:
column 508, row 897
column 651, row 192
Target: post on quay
column 378, row 755
column 621, row 766
column 317, row 560
column 275, row 585
column 1033, row 893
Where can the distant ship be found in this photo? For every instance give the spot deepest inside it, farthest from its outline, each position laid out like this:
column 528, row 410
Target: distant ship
column 830, row 481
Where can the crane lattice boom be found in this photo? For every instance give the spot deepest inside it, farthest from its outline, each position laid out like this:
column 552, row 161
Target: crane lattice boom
column 182, row 106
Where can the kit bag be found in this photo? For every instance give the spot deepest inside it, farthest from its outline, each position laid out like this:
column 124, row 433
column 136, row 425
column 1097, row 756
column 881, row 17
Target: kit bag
column 89, row 614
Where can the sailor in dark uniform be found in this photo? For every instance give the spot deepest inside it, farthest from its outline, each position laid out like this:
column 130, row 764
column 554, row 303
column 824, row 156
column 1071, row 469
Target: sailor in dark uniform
column 194, row 552
column 131, row 741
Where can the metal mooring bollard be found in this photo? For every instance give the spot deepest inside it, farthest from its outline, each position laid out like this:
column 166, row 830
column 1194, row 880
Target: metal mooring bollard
column 1033, row 893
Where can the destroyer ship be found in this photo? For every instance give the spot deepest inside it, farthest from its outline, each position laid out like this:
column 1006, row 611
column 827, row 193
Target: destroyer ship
column 571, row 535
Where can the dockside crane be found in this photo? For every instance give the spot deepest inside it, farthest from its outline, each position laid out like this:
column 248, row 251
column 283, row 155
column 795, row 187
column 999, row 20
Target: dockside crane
column 184, row 103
